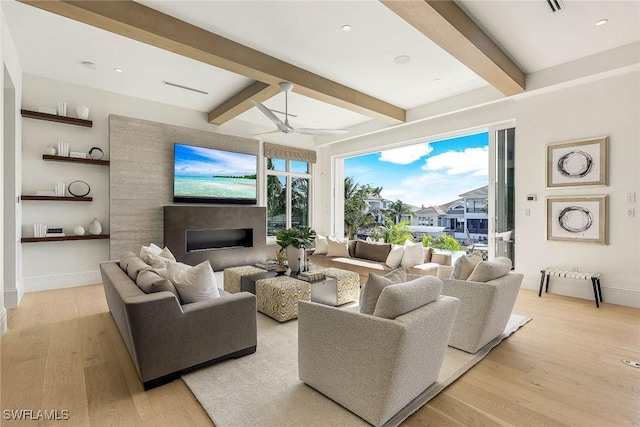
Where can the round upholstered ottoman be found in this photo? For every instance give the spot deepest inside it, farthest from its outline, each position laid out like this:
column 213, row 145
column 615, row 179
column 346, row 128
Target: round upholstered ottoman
column 233, row 276
column 278, row 296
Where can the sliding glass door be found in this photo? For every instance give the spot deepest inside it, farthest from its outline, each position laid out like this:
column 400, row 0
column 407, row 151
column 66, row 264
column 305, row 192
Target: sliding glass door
column 503, row 233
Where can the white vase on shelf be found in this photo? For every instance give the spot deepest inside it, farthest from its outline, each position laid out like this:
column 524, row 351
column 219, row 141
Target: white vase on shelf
column 78, row 231
column 95, row 227
column 82, row 111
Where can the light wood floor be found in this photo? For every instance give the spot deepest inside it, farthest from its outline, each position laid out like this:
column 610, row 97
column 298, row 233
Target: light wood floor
column 63, row 351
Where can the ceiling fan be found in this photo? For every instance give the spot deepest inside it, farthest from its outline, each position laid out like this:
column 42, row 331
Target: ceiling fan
column 285, row 127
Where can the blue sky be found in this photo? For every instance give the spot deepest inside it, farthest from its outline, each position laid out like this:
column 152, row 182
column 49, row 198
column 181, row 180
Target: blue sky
column 200, row 161
column 431, row 173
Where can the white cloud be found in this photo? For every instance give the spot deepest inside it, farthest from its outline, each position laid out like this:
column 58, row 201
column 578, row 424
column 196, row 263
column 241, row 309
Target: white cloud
column 405, row 155
column 471, row 160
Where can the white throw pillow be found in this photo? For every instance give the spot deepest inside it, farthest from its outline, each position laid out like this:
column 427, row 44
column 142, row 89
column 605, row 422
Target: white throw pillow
column 413, row 254
column 152, row 249
column 338, row 247
column 161, row 259
column 194, row 284
column 395, row 256
column 322, row 245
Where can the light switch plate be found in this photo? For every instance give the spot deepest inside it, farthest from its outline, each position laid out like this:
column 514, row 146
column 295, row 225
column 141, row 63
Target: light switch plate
column 631, row 197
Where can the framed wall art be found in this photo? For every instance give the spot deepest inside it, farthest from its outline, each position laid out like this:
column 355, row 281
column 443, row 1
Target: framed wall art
column 580, row 219
column 577, row 163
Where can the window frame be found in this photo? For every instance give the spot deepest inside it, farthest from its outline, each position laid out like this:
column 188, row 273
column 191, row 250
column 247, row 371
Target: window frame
column 289, row 176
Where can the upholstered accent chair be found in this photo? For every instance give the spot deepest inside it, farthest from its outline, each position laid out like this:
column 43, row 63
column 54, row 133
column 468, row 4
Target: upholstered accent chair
column 374, row 365
column 486, row 297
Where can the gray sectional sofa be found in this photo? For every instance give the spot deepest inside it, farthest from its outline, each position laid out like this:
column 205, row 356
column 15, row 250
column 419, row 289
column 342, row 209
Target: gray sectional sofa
column 165, row 338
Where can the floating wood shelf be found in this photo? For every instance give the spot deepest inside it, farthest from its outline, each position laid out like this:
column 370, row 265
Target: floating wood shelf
column 56, row 198
column 75, row 160
column 55, row 118
column 60, row 239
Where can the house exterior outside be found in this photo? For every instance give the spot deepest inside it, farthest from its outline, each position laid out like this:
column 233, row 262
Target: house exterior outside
column 468, row 212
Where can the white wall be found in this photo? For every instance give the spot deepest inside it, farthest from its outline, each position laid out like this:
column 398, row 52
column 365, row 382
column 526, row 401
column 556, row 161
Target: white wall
column 11, row 281
column 609, row 106
column 63, row 264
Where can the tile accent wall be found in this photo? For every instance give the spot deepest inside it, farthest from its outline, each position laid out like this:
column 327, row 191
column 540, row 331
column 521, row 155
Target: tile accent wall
column 141, row 176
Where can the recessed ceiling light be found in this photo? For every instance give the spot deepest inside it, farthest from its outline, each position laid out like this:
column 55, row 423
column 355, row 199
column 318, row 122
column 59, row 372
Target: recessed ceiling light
column 402, row 59
column 436, row 80
column 118, row 70
column 601, row 22
column 346, row 27
column 90, row 65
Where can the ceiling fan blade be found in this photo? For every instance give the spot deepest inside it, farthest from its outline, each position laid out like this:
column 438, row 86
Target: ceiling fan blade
column 279, row 123
column 266, row 133
column 311, row 131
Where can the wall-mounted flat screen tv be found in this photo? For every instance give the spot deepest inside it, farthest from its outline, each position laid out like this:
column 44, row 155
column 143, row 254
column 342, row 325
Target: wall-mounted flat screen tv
column 209, row 175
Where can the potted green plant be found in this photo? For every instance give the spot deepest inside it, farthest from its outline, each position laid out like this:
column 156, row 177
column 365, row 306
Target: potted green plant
column 294, row 241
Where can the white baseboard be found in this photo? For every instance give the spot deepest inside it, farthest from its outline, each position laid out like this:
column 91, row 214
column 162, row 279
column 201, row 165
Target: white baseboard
column 3, row 321
column 59, row 281
column 12, row 297
column 583, row 289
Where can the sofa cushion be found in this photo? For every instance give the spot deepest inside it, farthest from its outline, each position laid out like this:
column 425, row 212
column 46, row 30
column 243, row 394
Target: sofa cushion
column 395, row 256
column 160, row 259
column 463, row 267
column 150, row 281
column 322, row 245
column 337, row 247
column 371, row 292
column 490, row 270
column 373, row 251
column 152, row 249
column 428, row 252
column 126, row 259
column 398, row 299
column 374, row 285
column 413, row 254
column 135, row 266
column 441, row 258
column 194, row 284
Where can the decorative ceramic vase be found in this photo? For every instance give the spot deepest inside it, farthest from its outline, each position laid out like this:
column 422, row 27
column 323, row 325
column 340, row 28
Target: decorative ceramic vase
column 95, row 227
column 79, row 231
column 295, row 258
column 50, row 150
column 82, row 111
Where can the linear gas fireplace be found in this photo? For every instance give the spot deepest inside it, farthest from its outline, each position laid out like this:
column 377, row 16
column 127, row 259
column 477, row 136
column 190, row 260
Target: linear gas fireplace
column 211, row 240
column 226, row 236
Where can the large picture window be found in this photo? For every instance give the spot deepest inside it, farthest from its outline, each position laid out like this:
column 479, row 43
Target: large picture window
column 288, row 194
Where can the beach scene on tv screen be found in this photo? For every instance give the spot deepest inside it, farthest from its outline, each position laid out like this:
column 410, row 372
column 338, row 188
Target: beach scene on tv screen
column 210, row 173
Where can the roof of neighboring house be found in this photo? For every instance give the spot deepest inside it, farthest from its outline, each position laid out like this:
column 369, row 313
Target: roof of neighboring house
column 477, row 193
column 431, row 210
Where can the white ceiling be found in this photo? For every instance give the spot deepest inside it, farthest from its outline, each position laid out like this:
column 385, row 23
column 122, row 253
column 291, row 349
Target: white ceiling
column 307, row 34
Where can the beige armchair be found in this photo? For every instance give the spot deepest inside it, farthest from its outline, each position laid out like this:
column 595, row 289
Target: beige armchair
column 485, row 307
column 372, row 365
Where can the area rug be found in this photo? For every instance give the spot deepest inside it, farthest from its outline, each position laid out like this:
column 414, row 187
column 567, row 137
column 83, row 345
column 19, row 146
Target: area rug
column 263, row 388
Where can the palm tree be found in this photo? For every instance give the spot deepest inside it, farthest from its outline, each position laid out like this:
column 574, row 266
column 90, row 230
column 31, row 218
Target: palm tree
column 356, row 215
column 398, row 209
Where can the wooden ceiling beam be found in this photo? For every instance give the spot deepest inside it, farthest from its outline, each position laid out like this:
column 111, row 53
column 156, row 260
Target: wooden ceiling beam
column 449, row 27
column 136, row 21
column 241, row 102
